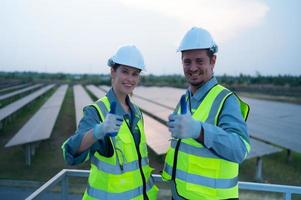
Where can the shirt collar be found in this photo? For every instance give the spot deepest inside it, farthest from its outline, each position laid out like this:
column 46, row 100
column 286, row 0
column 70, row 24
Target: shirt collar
column 203, row 90
column 119, row 110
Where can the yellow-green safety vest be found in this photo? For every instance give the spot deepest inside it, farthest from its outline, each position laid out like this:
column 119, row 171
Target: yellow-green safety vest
column 126, row 174
column 199, row 173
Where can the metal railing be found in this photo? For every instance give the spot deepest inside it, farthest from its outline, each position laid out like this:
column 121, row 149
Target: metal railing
column 62, row 177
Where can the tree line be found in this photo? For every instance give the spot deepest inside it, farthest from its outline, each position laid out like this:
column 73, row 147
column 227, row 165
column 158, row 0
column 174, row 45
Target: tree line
column 175, row 80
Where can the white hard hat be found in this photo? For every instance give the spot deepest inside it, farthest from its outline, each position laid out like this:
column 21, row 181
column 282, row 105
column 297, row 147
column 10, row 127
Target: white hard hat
column 127, row 55
column 197, row 38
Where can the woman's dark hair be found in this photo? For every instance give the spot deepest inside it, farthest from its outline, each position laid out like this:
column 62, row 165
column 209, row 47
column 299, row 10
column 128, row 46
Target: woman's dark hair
column 115, row 66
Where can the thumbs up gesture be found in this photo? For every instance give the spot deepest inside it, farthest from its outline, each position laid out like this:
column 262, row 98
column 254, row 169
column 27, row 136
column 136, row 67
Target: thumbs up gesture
column 184, row 126
column 110, row 126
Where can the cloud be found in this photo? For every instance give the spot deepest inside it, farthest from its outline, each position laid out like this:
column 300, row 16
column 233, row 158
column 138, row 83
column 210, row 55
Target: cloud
column 224, row 19
column 79, row 36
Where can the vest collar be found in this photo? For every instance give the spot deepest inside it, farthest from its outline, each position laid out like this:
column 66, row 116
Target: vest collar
column 203, row 90
column 135, row 113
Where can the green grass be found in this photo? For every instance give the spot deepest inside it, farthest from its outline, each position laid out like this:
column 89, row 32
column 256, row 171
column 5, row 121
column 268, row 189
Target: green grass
column 288, row 99
column 276, row 169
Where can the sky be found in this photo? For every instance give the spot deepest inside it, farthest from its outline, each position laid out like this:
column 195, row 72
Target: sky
column 79, row 36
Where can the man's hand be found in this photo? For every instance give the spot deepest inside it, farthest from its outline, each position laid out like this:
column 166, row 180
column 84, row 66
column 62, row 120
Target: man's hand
column 184, row 126
column 109, row 127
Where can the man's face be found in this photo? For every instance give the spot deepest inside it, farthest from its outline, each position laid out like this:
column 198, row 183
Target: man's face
column 197, row 66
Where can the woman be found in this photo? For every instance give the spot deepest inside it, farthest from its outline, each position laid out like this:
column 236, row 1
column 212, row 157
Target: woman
column 111, row 134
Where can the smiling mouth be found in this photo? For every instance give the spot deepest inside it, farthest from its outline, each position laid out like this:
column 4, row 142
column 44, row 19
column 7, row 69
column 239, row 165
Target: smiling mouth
column 128, row 85
column 194, row 75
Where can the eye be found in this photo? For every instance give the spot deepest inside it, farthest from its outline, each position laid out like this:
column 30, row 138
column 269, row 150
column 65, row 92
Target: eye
column 186, row 62
column 124, row 71
column 136, row 74
column 199, row 61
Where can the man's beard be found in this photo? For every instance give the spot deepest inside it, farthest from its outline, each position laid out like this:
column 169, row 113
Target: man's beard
column 196, row 84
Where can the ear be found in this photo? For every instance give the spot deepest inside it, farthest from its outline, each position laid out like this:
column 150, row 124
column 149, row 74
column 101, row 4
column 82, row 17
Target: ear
column 113, row 73
column 213, row 60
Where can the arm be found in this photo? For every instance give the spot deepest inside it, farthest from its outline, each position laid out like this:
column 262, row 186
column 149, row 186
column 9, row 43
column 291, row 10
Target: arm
column 230, row 138
column 87, row 141
column 109, row 127
column 76, row 148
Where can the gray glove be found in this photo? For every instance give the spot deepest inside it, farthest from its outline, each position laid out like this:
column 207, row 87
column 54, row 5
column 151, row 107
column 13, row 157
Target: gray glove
column 109, row 127
column 184, row 126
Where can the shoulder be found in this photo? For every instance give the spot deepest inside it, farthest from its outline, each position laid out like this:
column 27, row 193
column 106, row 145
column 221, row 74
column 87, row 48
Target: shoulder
column 229, row 100
column 231, row 107
column 90, row 112
column 232, row 99
column 89, row 109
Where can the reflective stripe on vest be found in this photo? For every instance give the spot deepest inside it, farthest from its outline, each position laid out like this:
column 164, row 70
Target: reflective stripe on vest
column 202, row 180
column 203, row 152
column 130, row 194
column 120, row 176
column 115, row 169
column 200, row 173
column 216, row 106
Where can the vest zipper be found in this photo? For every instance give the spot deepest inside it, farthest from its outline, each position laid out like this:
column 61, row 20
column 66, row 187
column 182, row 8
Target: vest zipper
column 174, row 169
column 142, row 175
column 145, row 197
column 175, row 160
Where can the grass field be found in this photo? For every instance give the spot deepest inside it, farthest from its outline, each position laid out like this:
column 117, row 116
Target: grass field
column 288, row 99
column 48, row 159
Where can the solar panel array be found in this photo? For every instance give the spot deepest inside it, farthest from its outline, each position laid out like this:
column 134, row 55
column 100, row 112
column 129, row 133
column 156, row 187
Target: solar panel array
column 273, row 122
column 276, row 122
column 17, row 105
column 40, row 126
column 14, row 87
column 17, row 92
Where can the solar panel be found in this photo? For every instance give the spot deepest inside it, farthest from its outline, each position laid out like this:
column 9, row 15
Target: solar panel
column 40, row 126
column 81, row 99
column 259, row 149
column 275, row 122
column 157, row 135
column 14, row 87
column 96, row 91
column 17, row 105
column 14, row 93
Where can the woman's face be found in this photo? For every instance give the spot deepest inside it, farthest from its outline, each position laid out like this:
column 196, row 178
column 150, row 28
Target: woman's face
column 125, row 79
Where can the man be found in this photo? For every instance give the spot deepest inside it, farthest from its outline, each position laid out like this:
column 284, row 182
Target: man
column 211, row 139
